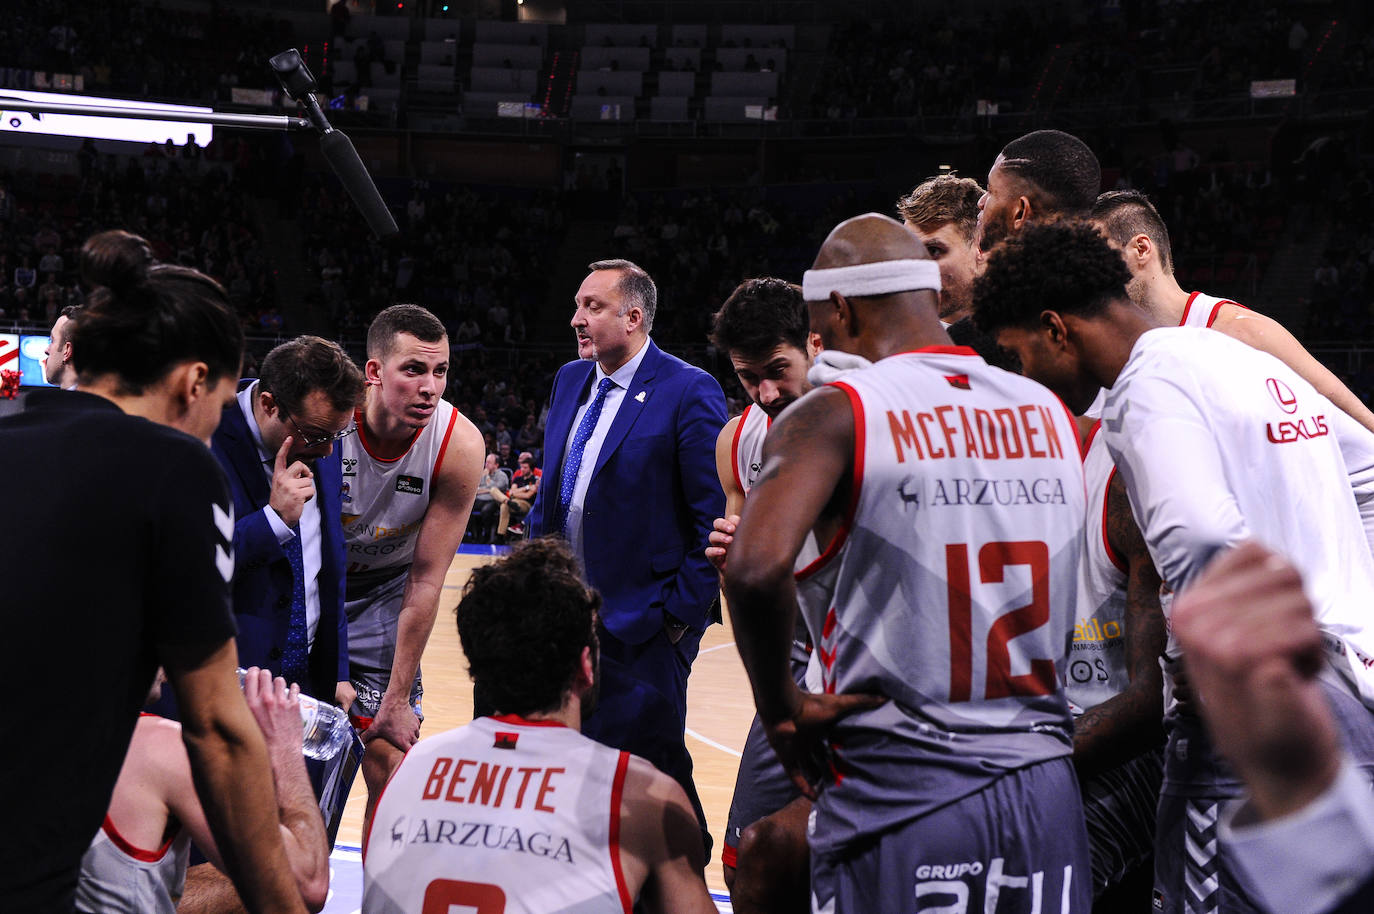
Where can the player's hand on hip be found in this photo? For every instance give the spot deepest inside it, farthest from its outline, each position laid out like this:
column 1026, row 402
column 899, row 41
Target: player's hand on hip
column 802, row 742
column 277, row 709
column 722, row 535
column 396, row 723
column 292, row 486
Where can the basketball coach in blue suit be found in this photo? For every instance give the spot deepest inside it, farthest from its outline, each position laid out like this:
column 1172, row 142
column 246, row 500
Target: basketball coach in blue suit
column 288, row 535
column 630, row 480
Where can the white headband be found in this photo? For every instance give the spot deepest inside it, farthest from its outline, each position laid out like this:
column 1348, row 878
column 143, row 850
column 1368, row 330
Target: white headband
column 883, row 277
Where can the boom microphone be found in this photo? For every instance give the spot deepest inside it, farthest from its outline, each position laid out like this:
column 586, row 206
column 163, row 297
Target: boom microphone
column 298, row 83
column 343, row 158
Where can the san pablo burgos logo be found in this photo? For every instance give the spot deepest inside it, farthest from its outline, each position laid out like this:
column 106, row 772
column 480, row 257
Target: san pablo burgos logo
column 413, row 485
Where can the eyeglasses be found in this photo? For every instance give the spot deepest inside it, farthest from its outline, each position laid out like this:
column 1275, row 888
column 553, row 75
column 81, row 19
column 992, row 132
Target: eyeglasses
column 318, row 440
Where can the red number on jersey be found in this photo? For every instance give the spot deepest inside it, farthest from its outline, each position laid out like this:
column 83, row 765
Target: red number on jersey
column 993, row 559
column 485, row 897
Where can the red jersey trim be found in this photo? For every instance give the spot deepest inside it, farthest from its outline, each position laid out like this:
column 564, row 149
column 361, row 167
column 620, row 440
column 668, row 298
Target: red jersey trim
column 138, row 853
column 1088, row 443
column 617, row 791
column 1111, row 553
column 1188, row 307
column 734, row 446
column 1073, row 427
column 443, row 446
column 362, row 439
column 729, row 857
column 940, row 350
column 860, row 439
column 1212, row 318
column 517, row 721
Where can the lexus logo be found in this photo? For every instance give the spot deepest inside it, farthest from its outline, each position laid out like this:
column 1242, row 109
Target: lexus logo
column 1283, row 395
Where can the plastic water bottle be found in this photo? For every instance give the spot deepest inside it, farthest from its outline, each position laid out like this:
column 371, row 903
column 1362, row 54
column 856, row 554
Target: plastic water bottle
column 324, row 728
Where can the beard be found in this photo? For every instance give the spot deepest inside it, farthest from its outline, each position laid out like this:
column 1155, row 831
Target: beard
column 992, row 231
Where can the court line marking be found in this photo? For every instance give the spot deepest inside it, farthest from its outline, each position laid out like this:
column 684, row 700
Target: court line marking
column 712, row 743
column 718, row 647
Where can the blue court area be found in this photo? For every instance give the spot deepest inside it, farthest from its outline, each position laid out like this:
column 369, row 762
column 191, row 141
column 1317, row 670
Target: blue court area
column 346, row 883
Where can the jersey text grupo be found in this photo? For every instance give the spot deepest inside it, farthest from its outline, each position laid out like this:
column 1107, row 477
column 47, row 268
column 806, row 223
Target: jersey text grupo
column 950, row 588
column 1217, row 443
column 503, row 814
column 1096, row 668
column 384, row 501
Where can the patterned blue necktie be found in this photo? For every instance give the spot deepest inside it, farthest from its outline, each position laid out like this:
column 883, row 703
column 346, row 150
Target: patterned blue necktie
column 295, row 658
column 568, row 481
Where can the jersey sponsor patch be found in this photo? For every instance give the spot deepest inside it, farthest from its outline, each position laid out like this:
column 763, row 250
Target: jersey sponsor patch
column 505, row 740
column 959, row 381
column 350, row 466
column 412, row 485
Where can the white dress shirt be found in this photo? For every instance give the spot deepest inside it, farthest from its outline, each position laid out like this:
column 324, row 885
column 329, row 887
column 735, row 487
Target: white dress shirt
column 309, row 525
column 620, row 384
column 1311, row 860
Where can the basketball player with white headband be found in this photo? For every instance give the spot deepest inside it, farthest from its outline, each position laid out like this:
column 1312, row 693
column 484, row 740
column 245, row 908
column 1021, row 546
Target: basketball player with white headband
column 945, row 500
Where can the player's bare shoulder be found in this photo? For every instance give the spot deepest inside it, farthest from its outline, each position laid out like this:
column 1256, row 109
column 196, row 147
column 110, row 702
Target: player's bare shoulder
column 461, row 464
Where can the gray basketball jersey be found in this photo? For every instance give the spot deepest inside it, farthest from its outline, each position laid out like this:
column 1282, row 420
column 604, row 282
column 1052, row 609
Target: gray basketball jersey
column 950, row 587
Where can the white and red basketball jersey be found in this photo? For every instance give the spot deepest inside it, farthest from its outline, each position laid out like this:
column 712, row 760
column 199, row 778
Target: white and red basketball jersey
column 746, row 449
column 118, row 877
column 1096, row 669
column 1218, row 442
column 501, row 815
column 950, row 589
column 384, row 501
column 1202, row 309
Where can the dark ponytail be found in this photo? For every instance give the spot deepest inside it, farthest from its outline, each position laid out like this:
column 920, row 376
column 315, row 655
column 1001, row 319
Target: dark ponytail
column 142, row 318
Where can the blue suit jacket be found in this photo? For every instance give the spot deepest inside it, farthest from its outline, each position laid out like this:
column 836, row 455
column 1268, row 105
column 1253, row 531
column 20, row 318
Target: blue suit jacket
column 653, row 494
column 262, row 574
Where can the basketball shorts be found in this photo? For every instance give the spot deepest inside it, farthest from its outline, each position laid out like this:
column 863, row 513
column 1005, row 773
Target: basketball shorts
column 1119, row 808
column 373, row 616
column 1192, row 872
column 762, row 786
column 1015, row 847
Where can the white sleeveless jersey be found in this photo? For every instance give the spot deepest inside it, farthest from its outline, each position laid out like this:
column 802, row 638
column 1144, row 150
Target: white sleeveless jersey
column 384, row 501
column 501, row 815
column 1096, row 669
column 746, row 450
column 1218, row 442
column 119, row 878
column 746, row 454
column 1201, row 310
column 950, row 587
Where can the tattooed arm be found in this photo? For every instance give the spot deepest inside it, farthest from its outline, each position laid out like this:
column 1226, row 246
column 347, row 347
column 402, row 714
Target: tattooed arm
column 1129, row 722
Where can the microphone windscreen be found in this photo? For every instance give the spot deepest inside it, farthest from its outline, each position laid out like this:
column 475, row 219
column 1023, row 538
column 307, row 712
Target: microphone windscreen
column 343, row 158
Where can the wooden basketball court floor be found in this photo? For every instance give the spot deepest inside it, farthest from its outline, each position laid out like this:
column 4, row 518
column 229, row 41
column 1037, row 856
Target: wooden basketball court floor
column 719, row 709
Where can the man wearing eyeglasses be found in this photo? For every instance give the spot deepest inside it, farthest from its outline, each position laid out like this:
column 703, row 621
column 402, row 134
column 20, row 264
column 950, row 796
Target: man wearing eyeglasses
column 276, row 444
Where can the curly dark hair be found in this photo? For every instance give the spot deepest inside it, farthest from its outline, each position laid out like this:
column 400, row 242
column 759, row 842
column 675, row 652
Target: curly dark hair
column 1064, row 266
column 760, row 315
column 523, row 622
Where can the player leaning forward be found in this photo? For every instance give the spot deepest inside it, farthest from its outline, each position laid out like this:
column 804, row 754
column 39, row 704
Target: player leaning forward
column 409, row 479
column 947, row 499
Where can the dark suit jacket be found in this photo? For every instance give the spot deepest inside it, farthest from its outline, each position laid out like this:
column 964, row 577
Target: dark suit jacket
column 262, row 574
column 653, row 493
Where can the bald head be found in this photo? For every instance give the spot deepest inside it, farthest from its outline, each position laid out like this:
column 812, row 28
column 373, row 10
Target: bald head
column 876, row 322
column 869, row 238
